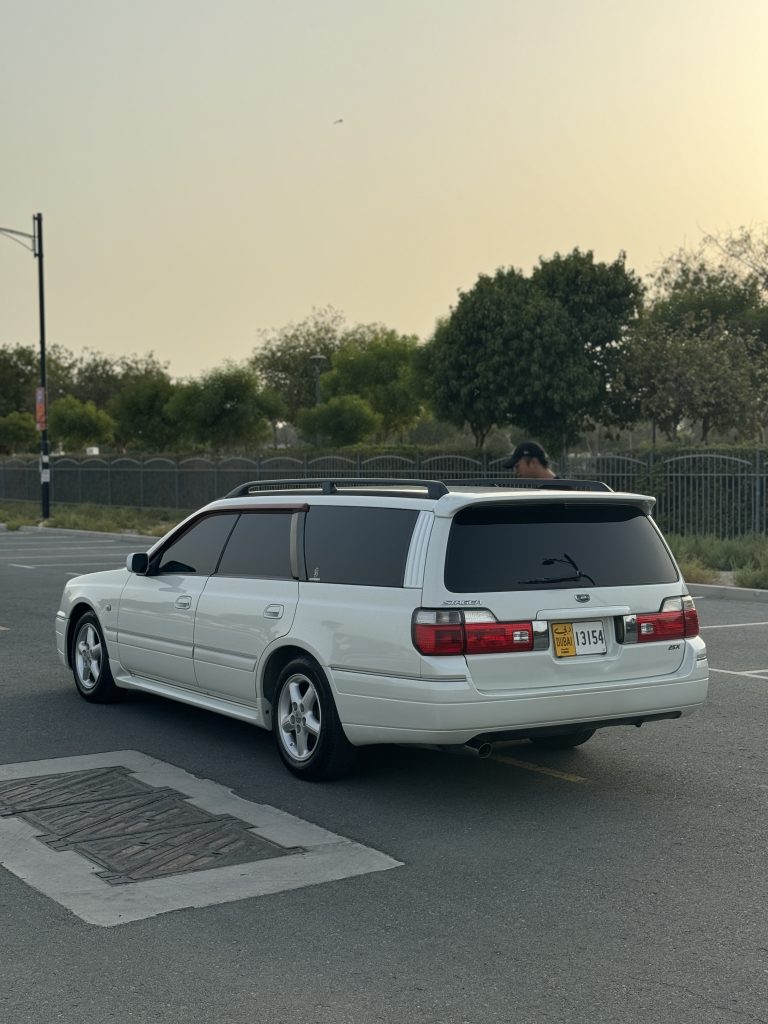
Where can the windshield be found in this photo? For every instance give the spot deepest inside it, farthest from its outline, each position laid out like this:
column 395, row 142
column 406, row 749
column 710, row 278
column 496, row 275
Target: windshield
column 554, row 545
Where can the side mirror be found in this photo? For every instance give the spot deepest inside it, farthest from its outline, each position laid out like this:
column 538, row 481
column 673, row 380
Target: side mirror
column 138, row 562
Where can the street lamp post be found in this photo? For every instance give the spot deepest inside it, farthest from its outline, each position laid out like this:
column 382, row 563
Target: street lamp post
column 34, row 243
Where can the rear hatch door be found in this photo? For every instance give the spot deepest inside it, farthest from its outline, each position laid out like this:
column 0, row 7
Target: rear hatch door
column 572, row 567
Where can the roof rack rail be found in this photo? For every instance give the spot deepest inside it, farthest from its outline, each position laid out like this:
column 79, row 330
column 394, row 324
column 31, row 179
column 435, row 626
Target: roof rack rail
column 555, row 484
column 435, row 488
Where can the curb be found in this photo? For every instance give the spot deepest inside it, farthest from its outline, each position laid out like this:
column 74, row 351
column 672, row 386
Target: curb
column 60, row 532
column 732, row 593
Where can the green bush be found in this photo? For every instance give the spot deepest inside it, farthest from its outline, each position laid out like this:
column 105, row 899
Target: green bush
column 694, row 571
column 723, row 555
column 755, row 575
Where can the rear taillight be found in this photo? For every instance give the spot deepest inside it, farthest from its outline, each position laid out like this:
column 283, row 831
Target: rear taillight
column 438, row 632
column 676, row 619
column 475, row 631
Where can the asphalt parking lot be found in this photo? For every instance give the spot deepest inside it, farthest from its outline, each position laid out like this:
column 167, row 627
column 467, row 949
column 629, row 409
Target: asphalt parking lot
column 624, row 881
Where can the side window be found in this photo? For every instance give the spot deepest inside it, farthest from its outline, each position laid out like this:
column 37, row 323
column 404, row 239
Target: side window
column 198, row 549
column 358, row 545
column 259, row 545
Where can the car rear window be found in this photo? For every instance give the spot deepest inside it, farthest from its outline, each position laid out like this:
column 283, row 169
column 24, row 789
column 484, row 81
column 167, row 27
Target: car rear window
column 553, row 546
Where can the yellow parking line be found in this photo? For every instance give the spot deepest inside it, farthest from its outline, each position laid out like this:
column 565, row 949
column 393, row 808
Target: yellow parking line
column 563, row 776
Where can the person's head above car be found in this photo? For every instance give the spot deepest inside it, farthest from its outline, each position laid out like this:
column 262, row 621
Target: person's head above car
column 530, row 461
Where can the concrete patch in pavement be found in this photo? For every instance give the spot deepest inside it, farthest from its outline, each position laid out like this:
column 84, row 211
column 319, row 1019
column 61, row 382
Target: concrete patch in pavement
column 101, row 843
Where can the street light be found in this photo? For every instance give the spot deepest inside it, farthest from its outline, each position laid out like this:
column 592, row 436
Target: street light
column 34, row 243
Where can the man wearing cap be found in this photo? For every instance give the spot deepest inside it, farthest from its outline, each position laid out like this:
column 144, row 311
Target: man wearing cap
column 530, row 461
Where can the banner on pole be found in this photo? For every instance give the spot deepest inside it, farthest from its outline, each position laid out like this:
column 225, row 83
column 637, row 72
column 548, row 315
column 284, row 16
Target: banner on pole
column 40, row 418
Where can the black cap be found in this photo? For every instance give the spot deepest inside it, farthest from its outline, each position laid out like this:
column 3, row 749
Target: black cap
column 526, row 450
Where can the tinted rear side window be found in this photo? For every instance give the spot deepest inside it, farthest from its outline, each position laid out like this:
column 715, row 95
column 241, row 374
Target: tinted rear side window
column 259, row 546
column 364, row 546
column 554, row 546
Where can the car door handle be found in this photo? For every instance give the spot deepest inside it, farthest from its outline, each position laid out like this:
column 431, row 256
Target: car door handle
column 274, row 611
column 184, row 602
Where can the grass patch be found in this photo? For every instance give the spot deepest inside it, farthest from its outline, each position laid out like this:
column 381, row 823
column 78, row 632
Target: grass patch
column 151, row 522
column 745, row 557
column 723, row 555
column 694, row 571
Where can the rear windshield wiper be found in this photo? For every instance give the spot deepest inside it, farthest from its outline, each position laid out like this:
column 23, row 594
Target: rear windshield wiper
column 565, row 560
column 557, row 579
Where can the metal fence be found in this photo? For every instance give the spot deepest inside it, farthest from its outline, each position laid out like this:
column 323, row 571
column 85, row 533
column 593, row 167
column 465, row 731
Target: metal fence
column 719, row 493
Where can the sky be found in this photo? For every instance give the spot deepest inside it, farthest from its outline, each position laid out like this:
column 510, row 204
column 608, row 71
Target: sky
column 198, row 192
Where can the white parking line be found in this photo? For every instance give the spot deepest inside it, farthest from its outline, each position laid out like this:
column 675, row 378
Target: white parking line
column 754, row 673
column 16, row 565
column 734, row 625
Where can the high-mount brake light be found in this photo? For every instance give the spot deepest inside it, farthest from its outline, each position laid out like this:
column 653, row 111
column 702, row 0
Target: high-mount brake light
column 474, row 631
column 676, row 619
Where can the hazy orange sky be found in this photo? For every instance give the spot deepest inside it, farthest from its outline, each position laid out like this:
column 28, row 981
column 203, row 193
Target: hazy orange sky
column 196, row 189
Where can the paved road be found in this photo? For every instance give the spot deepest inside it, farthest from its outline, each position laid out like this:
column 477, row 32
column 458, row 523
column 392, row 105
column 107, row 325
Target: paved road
column 622, row 882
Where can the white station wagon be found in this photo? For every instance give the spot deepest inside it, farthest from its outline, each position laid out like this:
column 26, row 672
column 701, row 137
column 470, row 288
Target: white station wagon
column 341, row 613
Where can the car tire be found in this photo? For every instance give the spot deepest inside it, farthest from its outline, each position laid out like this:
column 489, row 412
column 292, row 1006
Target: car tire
column 564, row 740
column 90, row 662
column 306, row 725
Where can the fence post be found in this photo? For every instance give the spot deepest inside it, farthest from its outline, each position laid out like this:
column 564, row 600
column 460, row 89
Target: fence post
column 758, row 492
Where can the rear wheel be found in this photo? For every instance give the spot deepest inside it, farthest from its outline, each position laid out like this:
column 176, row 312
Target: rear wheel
column 564, row 740
column 90, row 662
column 306, row 725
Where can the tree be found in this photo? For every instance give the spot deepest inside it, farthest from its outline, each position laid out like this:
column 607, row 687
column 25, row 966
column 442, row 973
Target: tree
column 139, row 407
column 343, row 420
column 689, row 289
column 97, row 377
column 378, row 365
column 600, row 300
column 746, row 249
column 467, row 368
column 724, row 306
column 284, row 363
column 274, row 411
column 670, row 374
column 18, row 433
column 221, row 411
column 19, row 374
column 534, row 352
column 74, row 424
column 60, row 370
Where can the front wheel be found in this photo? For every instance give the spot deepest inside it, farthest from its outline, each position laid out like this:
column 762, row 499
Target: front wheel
column 90, row 663
column 306, row 725
column 564, row 740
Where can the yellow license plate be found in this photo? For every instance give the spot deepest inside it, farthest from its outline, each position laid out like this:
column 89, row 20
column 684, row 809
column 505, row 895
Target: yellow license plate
column 575, row 638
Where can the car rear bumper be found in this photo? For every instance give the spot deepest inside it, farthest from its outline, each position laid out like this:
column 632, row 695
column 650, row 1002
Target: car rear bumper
column 431, row 720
